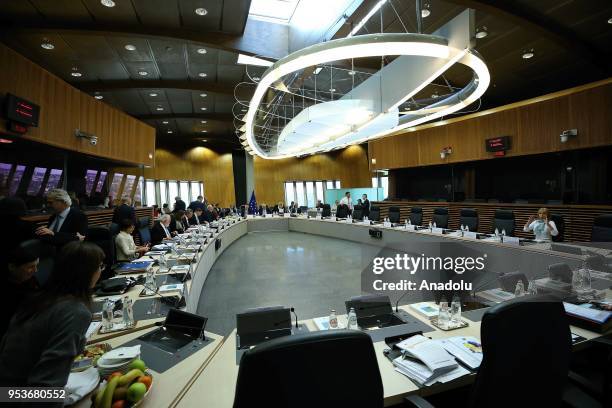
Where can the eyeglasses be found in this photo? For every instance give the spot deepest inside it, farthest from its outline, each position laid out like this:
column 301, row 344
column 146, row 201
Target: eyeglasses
column 102, row 266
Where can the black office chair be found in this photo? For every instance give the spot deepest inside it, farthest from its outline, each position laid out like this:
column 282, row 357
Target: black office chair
column 303, row 209
column 504, row 220
column 560, row 272
column 416, row 215
column 358, row 212
column 295, row 372
column 143, row 230
column 440, row 217
column 326, row 211
column 394, row 215
column 526, row 347
column 508, row 281
column 374, row 213
column 114, row 228
column 103, row 237
column 602, row 229
column 46, row 257
column 469, row 217
column 342, row 211
column 560, row 224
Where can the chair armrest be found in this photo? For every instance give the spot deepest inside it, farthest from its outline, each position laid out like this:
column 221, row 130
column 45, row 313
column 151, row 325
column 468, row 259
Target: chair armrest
column 417, row 401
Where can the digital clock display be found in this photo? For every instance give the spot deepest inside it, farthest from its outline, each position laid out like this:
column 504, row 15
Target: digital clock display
column 21, row 111
column 498, row 144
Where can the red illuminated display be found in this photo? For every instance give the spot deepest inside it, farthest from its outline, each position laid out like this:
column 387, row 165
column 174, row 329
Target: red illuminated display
column 21, row 111
column 498, row 144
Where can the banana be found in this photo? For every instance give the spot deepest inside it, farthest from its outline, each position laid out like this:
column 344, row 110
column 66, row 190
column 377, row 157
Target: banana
column 130, row 376
column 108, row 392
column 99, row 395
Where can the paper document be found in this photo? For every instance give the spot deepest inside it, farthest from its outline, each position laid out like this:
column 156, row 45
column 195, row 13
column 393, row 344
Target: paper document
column 92, row 329
column 468, row 350
column 595, row 315
column 431, row 353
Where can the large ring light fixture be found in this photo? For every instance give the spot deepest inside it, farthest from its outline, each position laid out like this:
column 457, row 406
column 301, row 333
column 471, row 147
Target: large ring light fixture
column 374, row 45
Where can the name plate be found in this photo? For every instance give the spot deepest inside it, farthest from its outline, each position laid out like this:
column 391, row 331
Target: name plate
column 250, row 216
column 387, row 224
column 318, row 217
column 410, row 227
column 470, row 234
column 349, row 221
column 438, row 231
column 286, row 215
column 511, row 240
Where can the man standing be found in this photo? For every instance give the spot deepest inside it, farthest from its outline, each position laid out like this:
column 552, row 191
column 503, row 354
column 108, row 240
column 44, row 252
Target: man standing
column 347, row 200
column 124, row 212
column 365, row 203
column 66, row 224
column 199, row 203
column 179, row 204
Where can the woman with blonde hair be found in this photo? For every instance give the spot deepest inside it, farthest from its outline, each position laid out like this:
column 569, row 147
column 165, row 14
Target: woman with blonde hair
column 541, row 225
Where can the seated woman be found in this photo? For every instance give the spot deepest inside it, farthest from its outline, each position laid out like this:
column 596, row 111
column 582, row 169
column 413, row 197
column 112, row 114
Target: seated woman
column 180, row 221
column 126, row 249
column 543, row 228
column 48, row 331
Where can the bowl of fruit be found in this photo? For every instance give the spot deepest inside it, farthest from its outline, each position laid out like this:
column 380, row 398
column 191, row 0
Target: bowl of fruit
column 124, row 389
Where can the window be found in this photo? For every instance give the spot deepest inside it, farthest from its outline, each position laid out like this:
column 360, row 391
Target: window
column 5, row 170
column 172, row 192
column 320, row 195
column 196, row 190
column 36, row 180
column 338, row 184
column 150, row 196
column 115, row 185
column 139, row 189
column 90, row 179
column 385, row 186
column 101, row 181
column 185, row 191
column 54, row 179
column 129, row 185
column 275, row 11
column 374, row 182
column 299, row 192
column 289, row 192
column 330, row 185
column 306, row 193
column 310, row 194
column 163, row 193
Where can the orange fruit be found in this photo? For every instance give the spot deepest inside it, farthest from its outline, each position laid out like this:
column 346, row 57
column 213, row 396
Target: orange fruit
column 146, row 380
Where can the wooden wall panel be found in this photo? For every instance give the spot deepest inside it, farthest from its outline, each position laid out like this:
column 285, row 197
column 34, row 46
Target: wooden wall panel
column 534, row 126
column 350, row 166
column 64, row 109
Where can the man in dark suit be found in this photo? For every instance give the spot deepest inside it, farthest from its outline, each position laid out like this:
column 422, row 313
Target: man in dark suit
column 199, row 203
column 210, row 215
column 179, row 204
column 66, row 224
column 124, row 212
column 365, row 203
column 161, row 230
column 197, row 217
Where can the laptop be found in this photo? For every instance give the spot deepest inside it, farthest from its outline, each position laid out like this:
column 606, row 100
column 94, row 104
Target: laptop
column 255, row 326
column 179, row 329
column 374, row 311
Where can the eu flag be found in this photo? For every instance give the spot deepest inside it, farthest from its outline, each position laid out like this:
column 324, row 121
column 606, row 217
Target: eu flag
column 253, row 204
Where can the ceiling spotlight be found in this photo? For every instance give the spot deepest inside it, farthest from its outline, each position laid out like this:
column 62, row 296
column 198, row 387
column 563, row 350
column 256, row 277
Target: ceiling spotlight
column 204, row 131
column 201, row 50
column 610, row 21
column 528, row 54
column 351, row 73
column 203, row 122
column 98, row 97
column 202, row 74
column 47, row 45
column 200, row 11
column 332, row 89
column 204, row 140
column 108, row 3
column 425, row 10
column 481, row 32
column 165, row 122
column 256, row 78
column 203, row 95
column 203, row 109
column 243, row 109
column 159, row 109
column 130, row 47
column 435, row 95
column 143, row 73
column 76, row 74
column 153, row 94
column 317, row 70
column 169, row 132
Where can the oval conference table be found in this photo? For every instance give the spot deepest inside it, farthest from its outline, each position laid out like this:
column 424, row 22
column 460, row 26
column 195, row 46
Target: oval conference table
column 208, row 377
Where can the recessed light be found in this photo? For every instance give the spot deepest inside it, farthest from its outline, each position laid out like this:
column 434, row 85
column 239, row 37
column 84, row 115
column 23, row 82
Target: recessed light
column 165, row 122
column 244, row 109
column 351, row 73
column 435, row 95
column 425, row 11
column 150, row 155
column 204, row 131
column 481, row 32
column 332, row 89
column 108, row 3
column 203, row 109
column 202, row 74
column 76, row 74
column 47, row 45
column 143, row 73
column 256, row 78
column 159, row 109
column 204, row 140
column 169, row 131
column 203, row 122
column 201, row 11
column 610, row 21
column 130, row 47
column 201, row 50
column 527, row 54
column 203, row 95
column 153, row 94
column 98, row 97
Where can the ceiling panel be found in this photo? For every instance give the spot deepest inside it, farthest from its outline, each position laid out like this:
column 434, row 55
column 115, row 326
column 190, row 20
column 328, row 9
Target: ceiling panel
column 168, row 51
column 158, row 13
column 122, row 13
column 131, row 102
column 141, row 53
column 104, row 70
column 209, row 69
column 173, row 70
column 149, row 67
column 63, row 10
column 94, row 47
column 235, row 13
column 210, row 22
column 180, row 101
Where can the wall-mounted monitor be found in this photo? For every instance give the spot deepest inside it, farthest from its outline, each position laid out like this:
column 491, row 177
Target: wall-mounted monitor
column 101, row 181
column 115, row 185
column 21, row 111
column 129, row 185
column 498, row 144
column 5, row 170
column 90, row 179
column 17, row 176
column 36, row 181
column 55, row 176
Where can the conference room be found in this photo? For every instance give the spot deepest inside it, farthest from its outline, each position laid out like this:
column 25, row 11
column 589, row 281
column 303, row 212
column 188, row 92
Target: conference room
column 306, row 203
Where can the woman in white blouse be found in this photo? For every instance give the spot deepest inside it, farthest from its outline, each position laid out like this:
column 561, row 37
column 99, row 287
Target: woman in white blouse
column 543, row 228
column 124, row 243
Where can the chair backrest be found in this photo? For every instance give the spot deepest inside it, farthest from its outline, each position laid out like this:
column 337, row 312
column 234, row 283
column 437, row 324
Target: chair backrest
column 374, row 213
column 103, row 237
column 469, row 217
column 326, row 212
column 602, row 228
column 394, row 215
column 440, row 217
column 114, row 228
column 504, row 220
column 295, row 371
column 560, row 272
column 358, row 212
column 508, row 280
column 416, row 216
column 143, row 229
column 303, row 209
column 342, row 211
column 560, row 224
column 526, row 351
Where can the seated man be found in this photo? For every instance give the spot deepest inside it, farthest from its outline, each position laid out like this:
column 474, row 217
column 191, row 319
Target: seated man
column 210, row 214
column 66, row 224
column 124, row 243
column 197, row 218
column 161, row 230
column 319, row 204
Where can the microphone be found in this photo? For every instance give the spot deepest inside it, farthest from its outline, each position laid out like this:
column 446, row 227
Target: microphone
column 398, row 300
column 297, row 326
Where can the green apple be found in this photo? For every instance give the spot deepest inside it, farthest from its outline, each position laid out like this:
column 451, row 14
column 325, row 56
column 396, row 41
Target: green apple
column 136, row 391
column 138, row 364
